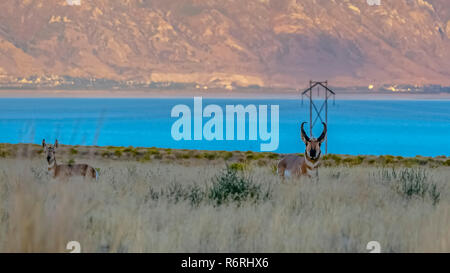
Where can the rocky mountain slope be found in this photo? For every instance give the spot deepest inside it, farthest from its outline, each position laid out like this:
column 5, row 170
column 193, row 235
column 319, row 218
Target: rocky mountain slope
column 277, row 43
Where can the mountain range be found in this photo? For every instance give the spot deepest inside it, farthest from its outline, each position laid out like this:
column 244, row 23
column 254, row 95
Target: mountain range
column 225, row 43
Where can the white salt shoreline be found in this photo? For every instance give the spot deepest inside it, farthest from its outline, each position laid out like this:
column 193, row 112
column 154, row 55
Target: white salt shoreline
column 257, row 94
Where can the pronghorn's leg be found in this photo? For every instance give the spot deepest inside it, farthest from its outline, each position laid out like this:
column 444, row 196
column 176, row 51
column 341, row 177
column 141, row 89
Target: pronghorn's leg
column 316, row 178
column 281, row 168
column 91, row 173
column 281, row 171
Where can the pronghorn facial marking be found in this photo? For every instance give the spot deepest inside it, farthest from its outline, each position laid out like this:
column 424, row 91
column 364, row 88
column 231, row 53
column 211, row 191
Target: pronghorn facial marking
column 312, row 149
column 50, row 152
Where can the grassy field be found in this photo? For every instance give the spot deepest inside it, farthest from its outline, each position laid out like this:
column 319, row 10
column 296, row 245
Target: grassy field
column 163, row 200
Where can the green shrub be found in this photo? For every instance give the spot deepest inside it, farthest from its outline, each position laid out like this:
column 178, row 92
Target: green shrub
column 176, row 193
column 230, row 186
column 337, row 159
column 238, row 166
column 354, row 160
column 131, row 150
column 73, row 151
column 412, row 182
column 153, row 151
column 118, row 152
column 347, row 160
column 146, row 157
column 4, row 153
column 274, row 169
column 387, row 159
column 434, row 193
column 182, row 155
column 423, row 162
column 249, row 155
column 410, row 162
column 227, row 155
column 209, row 156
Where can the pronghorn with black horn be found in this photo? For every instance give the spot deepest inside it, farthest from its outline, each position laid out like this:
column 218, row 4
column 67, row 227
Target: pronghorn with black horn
column 294, row 165
column 68, row 170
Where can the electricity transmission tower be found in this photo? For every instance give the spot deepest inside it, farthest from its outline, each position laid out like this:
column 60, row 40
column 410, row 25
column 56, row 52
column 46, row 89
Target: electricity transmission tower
column 316, row 113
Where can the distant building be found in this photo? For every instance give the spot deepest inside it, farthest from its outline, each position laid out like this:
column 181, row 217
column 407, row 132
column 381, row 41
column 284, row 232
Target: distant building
column 74, row 2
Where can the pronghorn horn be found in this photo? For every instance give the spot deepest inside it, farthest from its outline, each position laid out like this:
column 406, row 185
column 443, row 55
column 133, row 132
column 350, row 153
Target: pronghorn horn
column 324, row 133
column 304, row 135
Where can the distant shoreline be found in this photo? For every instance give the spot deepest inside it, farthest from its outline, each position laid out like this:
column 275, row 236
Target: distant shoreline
column 257, row 94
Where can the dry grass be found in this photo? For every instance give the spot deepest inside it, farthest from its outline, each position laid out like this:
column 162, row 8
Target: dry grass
column 158, row 206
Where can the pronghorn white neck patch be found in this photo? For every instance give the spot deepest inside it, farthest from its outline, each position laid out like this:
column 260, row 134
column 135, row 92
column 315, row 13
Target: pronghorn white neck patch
column 52, row 165
column 311, row 164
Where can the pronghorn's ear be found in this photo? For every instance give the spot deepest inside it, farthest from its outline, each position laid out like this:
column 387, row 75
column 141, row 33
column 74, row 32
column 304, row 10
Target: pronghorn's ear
column 43, row 143
column 324, row 133
column 56, row 143
column 305, row 137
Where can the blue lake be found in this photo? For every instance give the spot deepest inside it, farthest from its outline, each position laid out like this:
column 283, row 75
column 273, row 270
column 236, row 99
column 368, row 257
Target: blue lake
column 405, row 128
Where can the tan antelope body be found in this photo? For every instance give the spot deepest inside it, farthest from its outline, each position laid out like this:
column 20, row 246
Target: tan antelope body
column 66, row 170
column 308, row 165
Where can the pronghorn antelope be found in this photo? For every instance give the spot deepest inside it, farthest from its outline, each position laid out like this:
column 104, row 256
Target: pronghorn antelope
column 294, row 165
column 66, row 171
